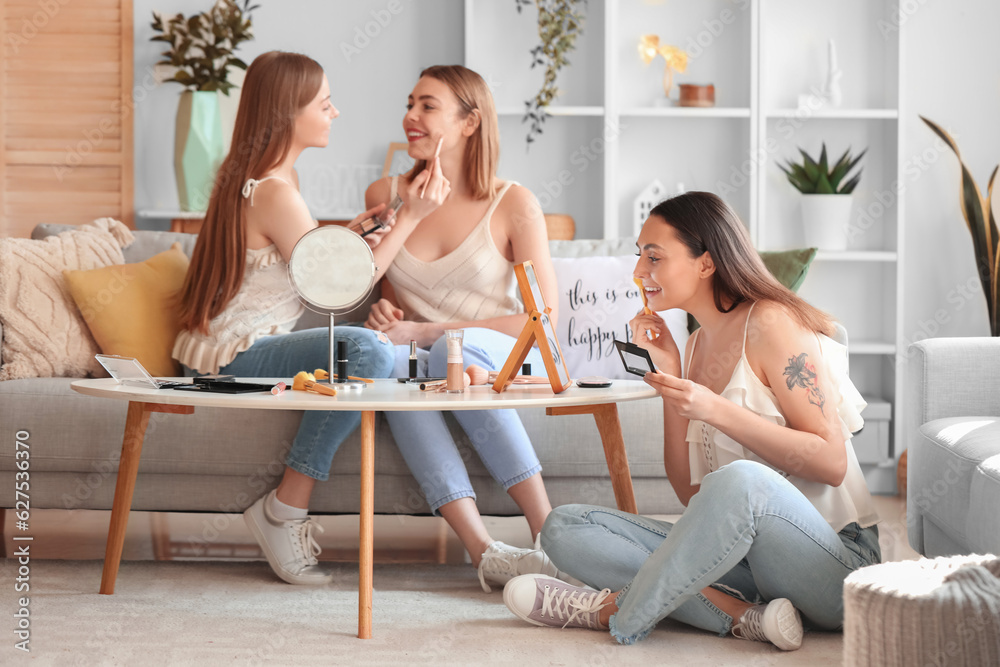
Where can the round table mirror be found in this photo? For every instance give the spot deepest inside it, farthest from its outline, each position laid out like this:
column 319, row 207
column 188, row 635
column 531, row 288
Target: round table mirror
column 332, row 270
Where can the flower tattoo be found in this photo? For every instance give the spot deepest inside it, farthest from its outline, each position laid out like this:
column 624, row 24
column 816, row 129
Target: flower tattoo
column 800, row 373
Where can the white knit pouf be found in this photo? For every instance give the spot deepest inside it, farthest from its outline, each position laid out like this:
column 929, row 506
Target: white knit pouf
column 941, row 611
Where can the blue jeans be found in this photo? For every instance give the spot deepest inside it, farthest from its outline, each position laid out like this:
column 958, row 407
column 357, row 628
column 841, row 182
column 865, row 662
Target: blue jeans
column 321, row 431
column 747, row 532
column 497, row 436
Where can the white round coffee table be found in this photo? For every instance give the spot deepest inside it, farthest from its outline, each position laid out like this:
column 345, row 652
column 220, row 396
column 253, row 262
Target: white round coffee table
column 379, row 396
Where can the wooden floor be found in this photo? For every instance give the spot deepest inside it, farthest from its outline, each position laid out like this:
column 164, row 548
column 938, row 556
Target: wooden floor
column 82, row 535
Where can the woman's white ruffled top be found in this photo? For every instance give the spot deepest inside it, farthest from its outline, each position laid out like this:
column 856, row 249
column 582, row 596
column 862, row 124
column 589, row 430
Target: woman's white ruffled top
column 710, row 449
column 265, row 305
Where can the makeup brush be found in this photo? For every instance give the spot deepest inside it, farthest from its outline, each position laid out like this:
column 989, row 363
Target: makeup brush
column 519, row 379
column 437, row 151
column 304, row 381
column 642, row 295
column 477, row 374
column 321, row 374
column 645, row 304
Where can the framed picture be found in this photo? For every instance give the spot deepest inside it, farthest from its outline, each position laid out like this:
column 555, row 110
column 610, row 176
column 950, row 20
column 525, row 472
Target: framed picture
column 538, row 329
column 397, row 159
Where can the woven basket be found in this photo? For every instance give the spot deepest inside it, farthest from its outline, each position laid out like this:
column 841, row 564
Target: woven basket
column 942, row 611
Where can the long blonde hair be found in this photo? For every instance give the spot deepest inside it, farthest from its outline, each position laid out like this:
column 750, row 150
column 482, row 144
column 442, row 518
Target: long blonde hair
column 705, row 223
column 277, row 86
column 482, row 152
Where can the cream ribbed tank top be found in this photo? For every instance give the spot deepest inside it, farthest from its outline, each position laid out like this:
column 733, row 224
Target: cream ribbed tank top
column 709, row 449
column 472, row 282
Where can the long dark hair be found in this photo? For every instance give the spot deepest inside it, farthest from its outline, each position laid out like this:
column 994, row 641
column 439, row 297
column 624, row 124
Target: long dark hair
column 705, row 223
column 277, row 86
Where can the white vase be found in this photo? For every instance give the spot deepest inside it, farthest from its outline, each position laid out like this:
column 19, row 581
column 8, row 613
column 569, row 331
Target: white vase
column 826, row 220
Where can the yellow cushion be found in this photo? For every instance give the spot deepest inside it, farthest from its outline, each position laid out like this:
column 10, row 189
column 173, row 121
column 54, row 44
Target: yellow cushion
column 131, row 309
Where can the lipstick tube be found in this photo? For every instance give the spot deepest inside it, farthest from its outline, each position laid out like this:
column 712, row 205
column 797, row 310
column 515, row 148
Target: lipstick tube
column 413, row 359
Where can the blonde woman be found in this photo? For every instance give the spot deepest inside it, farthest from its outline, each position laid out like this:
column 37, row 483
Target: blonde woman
column 455, row 270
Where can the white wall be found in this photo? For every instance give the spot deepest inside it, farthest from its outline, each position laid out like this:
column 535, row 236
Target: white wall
column 369, row 88
column 951, row 76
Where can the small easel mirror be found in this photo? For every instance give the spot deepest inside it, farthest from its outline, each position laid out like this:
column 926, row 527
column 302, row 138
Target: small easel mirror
column 332, row 270
column 538, row 329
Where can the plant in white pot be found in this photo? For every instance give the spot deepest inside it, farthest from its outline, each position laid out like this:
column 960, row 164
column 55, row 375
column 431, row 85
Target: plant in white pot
column 202, row 49
column 826, row 200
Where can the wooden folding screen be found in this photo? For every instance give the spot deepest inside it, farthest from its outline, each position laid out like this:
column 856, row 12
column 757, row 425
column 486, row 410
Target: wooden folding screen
column 66, row 112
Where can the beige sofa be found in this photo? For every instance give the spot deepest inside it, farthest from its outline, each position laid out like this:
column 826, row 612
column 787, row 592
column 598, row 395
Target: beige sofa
column 212, row 461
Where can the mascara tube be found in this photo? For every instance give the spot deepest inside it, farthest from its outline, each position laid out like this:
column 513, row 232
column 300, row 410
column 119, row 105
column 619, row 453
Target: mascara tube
column 413, row 359
column 342, row 360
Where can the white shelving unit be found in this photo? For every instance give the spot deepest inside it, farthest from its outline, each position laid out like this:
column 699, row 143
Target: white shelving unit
column 760, row 55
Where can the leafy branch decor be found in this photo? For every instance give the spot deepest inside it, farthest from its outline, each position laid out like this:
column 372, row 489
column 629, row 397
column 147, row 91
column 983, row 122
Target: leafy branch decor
column 978, row 214
column 560, row 22
column 202, row 47
column 676, row 59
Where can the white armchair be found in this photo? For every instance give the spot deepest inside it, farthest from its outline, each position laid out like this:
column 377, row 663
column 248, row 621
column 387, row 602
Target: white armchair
column 953, row 465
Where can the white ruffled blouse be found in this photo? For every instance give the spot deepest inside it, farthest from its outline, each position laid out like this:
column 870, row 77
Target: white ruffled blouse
column 710, row 449
column 266, row 305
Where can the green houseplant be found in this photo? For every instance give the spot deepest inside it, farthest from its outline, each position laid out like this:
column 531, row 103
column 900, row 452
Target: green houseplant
column 982, row 225
column 826, row 202
column 560, row 22
column 201, row 52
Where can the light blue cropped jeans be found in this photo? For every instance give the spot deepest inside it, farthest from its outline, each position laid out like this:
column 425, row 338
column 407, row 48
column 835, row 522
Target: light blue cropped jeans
column 497, row 436
column 748, row 531
column 319, row 436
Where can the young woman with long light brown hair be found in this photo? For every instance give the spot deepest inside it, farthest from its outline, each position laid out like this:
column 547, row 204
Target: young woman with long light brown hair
column 756, row 444
column 238, row 308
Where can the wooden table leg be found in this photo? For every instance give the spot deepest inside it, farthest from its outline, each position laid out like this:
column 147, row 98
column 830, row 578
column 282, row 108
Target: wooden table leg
column 128, row 468
column 610, row 428
column 367, row 525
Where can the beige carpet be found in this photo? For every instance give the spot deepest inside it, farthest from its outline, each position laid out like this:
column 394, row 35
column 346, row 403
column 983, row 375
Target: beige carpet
column 221, row 613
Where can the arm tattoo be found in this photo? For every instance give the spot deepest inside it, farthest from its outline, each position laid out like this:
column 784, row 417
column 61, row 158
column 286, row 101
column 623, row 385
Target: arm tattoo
column 800, row 373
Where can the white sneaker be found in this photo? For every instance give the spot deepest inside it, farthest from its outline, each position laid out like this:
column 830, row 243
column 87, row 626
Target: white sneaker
column 777, row 622
column 501, row 562
column 289, row 546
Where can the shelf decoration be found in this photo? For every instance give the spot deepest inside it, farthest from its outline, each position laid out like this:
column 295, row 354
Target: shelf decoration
column 978, row 213
column 560, row 22
column 675, row 58
column 830, row 95
column 201, row 51
column 650, row 196
column 826, row 200
column 694, row 95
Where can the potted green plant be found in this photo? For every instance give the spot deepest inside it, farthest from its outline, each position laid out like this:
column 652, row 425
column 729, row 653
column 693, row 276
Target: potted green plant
column 826, row 196
column 201, row 52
